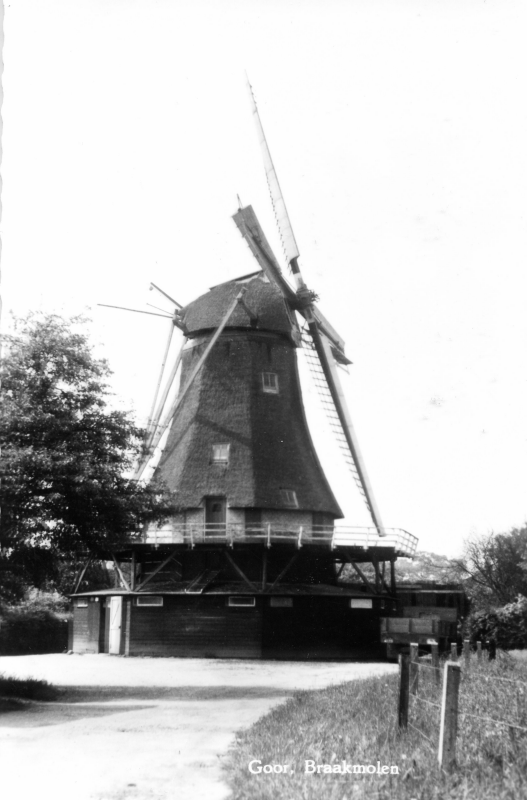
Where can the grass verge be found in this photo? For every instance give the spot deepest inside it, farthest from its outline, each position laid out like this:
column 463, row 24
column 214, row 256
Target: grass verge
column 26, row 689
column 356, row 723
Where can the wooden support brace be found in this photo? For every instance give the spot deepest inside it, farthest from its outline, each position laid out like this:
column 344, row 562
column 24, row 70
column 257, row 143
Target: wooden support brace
column 379, row 576
column 341, row 568
column 240, row 572
column 285, row 569
column 133, row 567
column 119, row 572
column 161, row 566
column 81, row 576
column 264, row 569
column 375, row 563
column 393, row 586
column 361, row 575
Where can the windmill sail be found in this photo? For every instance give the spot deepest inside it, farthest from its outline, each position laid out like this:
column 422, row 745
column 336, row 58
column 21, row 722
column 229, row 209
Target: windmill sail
column 277, row 198
column 327, row 345
column 332, row 414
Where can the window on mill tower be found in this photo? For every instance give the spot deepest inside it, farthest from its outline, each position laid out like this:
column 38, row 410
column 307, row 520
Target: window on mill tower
column 289, row 498
column 220, row 453
column 270, row 382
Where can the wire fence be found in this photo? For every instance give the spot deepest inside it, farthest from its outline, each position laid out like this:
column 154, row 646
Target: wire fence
column 459, row 707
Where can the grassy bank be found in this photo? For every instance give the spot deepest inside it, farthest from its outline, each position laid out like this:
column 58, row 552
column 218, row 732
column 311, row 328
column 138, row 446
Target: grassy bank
column 356, row 722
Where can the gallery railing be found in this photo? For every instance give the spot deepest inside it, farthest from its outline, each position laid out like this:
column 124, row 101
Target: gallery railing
column 194, row 533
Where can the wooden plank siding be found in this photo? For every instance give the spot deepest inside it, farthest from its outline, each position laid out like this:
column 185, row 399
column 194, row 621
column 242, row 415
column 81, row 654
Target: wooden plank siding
column 86, row 627
column 196, row 627
column 205, row 626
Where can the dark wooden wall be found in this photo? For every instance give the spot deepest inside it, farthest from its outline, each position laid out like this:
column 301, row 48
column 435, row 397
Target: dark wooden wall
column 196, row 627
column 314, row 628
column 318, row 628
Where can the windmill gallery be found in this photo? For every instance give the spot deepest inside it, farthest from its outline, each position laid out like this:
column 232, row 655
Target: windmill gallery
column 252, row 564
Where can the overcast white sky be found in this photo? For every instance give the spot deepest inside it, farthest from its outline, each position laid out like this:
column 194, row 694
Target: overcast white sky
column 398, row 129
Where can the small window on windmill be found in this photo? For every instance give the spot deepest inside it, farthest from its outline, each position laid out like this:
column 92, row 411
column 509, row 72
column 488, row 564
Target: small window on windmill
column 288, row 497
column 220, row 453
column 281, row 602
column 241, row 602
column 149, row 600
column 270, row 382
column 359, row 602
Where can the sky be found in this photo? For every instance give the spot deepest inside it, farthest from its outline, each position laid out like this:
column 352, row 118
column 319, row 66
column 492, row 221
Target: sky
column 398, row 131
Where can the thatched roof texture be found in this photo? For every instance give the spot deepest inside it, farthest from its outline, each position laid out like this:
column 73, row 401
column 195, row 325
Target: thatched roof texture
column 270, row 445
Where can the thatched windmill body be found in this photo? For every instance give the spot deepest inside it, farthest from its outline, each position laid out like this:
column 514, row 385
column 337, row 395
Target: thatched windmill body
column 252, row 563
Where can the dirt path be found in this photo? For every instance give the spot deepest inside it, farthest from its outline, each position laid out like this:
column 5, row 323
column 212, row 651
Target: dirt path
column 142, row 729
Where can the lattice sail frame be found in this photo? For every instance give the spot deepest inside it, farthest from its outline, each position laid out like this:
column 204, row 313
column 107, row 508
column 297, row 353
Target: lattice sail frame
column 326, row 399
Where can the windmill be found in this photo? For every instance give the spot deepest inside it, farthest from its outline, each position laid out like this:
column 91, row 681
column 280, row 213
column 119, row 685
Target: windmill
column 252, row 562
column 325, row 348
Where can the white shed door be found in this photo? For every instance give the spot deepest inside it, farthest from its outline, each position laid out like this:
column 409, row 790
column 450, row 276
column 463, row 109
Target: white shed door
column 116, row 615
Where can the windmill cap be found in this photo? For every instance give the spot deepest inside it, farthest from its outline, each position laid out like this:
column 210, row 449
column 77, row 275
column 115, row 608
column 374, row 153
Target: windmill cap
column 261, row 298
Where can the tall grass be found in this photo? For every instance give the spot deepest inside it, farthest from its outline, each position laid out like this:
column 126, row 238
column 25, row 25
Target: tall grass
column 357, row 722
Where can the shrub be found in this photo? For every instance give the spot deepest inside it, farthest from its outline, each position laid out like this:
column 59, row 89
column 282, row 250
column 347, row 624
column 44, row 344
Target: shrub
column 507, row 625
column 37, row 625
column 26, row 688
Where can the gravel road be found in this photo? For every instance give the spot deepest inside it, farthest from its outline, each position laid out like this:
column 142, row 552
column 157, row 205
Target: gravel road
column 143, row 728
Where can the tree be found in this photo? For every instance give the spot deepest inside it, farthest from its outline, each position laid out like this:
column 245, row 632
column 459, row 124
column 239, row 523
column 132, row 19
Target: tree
column 66, row 454
column 494, row 567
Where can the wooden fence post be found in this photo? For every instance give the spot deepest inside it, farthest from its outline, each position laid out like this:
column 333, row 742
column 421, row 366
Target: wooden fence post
column 404, row 687
column 449, row 711
column 466, row 652
column 435, row 662
column 414, row 668
column 479, row 651
column 492, row 650
column 453, row 651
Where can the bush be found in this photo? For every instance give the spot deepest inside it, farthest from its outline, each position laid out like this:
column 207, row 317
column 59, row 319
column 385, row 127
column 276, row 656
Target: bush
column 26, row 688
column 37, row 625
column 507, row 625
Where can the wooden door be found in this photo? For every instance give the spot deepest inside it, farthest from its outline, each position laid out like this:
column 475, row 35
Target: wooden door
column 216, row 511
column 116, row 617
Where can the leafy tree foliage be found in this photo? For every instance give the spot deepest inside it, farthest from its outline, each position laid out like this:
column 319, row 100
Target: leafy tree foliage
column 494, row 568
column 65, row 454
